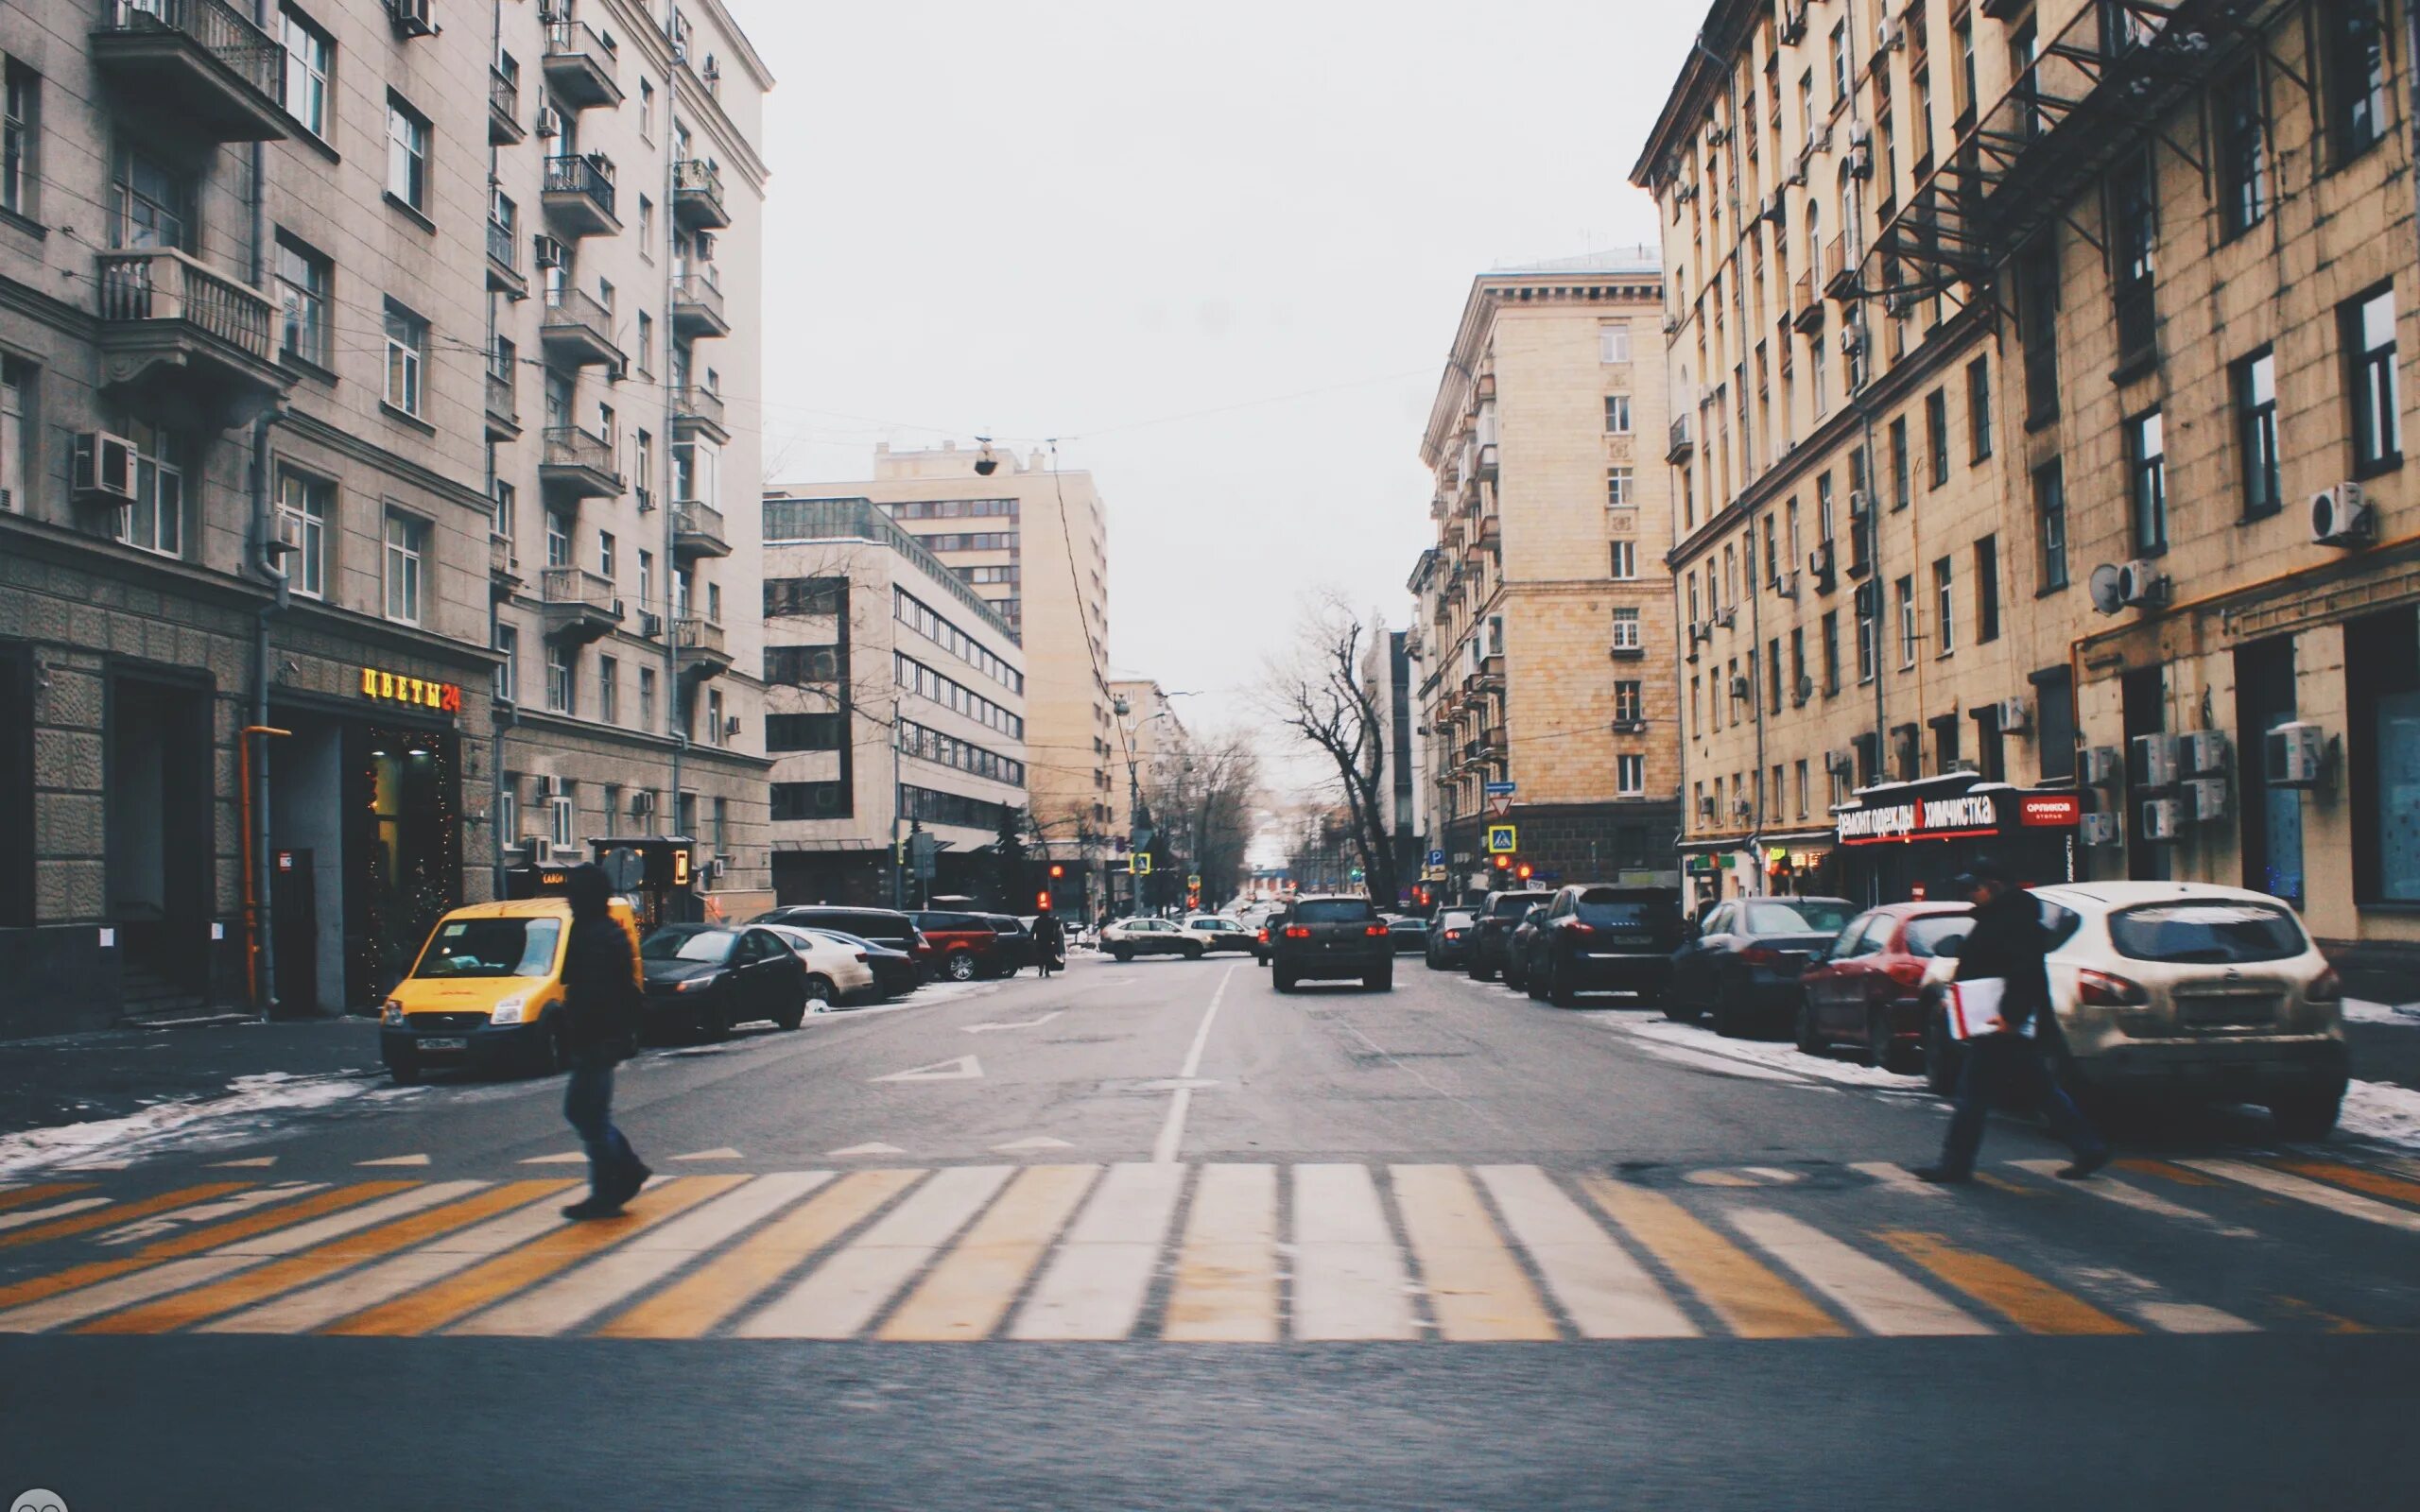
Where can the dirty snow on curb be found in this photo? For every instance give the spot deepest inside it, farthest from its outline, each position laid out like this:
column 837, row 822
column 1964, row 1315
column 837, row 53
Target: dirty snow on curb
column 1779, row 1056
column 186, row 1124
column 2357, row 1011
column 2383, row 1111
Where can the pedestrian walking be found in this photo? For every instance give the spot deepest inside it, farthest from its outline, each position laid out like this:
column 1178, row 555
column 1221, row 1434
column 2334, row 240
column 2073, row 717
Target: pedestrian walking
column 601, row 1000
column 1049, row 943
column 2009, row 1066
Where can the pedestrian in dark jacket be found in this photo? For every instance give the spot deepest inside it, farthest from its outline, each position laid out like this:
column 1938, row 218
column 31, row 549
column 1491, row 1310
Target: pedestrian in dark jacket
column 601, row 999
column 1049, row 943
column 2008, row 1065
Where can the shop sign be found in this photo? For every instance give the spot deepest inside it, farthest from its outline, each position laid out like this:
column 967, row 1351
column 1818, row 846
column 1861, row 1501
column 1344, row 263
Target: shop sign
column 2051, row 810
column 389, row 687
column 1928, row 818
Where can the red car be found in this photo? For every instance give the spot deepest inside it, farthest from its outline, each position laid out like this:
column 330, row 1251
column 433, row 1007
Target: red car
column 1863, row 990
column 964, row 946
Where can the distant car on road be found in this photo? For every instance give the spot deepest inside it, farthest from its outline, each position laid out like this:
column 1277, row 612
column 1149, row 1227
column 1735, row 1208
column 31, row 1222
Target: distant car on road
column 706, row 979
column 965, row 946
column 1012, row 951
column 1741, row 966
column 895, row 974
column 1409, row 934
column 1865, row 987
column 1602, row 938
column 1270, row 927
column 487, row 991
column 1219, row 932
column 1130, row 938
column 1449, row 938
column 1497, row 917
column 1326, row 938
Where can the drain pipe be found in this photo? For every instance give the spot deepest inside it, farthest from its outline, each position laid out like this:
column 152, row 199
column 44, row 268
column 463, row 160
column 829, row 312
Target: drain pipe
column 261, row 933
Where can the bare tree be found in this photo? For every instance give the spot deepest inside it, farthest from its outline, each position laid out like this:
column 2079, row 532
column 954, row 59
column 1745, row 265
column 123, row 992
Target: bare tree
column 1318, row 694
column 1203, row 790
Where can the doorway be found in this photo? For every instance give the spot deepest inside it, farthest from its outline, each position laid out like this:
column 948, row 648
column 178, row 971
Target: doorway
column 2271, row 816
column 158, row 835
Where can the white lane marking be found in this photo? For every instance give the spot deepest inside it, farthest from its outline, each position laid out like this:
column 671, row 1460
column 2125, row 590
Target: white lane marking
column 991, row 1028
column 567, row 1301
column 568, row 1158
column 2122, row 1291
column 2191, row 1317
column 2318, row 1194
column 840, row 1297
column 224, row 1208
column 874, row 1148
column 2126, row 1195
column 725, row 1153
column 1096, row 1283
column 1606, row 1293
column 1349, row 1280
column 1724, row 1065
column 1880, row 1299
column 1037, row 1141
column 317, row 1306
column 1176, row 1084
column 1897, row 1177
column 397, row 1160
column 963, row 1068
column 57, row 1210
column 1172, row 1132
column 258, row 1163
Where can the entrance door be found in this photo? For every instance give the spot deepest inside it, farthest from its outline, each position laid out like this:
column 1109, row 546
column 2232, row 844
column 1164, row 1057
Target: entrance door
column 156, row 803
column 2271, row 816
column 2145, row 695
column 294, row 905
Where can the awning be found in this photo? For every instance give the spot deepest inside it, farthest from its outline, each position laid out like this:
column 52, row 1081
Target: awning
column 1956, row 805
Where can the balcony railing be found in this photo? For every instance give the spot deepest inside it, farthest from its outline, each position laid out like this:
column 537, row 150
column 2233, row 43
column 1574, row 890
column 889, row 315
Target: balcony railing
column 585, row 185
column 575, row 585
column 504, row 105
column 582, row 65
column 703, row 405
column 697, row 194
column 1805, row 308
column 1840, row 265
column 161, row 284
column 575, row 324
column 697, row 303
column 504, row 249
column 1682, row 442
column 202, row 60
column 570, row 446
column 700, row 635
column 698, row 529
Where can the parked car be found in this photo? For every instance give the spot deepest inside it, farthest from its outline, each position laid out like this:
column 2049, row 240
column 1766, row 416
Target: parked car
column 1516, row 947
column 1013, row 951
column 1449, row 936
column 1497, row 917
column 1218, row 932
column 1408, row 932
column 895, row 974
column 884, row 926
column 965, row 946
column 486, row 992
column 1600, row 937
column 1270, row 927
column 2181, row 989
column 1865, row 987
column 1741, row 966
column 1130, row 938
column 705, row 979
column 1326, row 938
column 834, row 973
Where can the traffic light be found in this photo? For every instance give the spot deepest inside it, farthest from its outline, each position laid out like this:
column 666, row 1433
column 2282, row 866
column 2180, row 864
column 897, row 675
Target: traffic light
column 902, row 857
column 1042, row 900
column 1503, row 863
column 1525, row 872
column 1057, row 870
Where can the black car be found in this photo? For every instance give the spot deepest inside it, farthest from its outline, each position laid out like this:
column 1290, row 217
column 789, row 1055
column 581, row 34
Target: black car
column 1409, row 934
column 1497, row 917
column 884, row 926
column 1743, row 964
column 1013, row 950
column 1449, row 937
column 1599, row 937
column 1331, row 937
column 704, row 979
column 1517, row 949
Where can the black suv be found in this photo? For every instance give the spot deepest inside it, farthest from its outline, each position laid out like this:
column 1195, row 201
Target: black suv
column 1596, row 937
column 1491, row 935
column 1331, row 937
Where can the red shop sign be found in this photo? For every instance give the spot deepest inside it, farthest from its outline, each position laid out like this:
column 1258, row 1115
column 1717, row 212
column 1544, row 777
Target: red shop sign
column 2051, row 810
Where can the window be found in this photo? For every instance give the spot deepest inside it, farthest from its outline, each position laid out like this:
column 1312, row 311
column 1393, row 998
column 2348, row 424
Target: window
column 2243, row 153
column 309, row 58
column 408, row 155
column 156, row 519
column 16, row 384
column 646, row 698
column 1617, row 489
column 1943, row 606
column 151, row 203
column 19, row 123
column 508, row 673
column 406, row 549
column 1626, row 629
column 1901, row 489
column 1906, row 591
column 2368, row 325
column 606, row 555
column 560, row 810
column 1831, row 652
column 714, row 602
column 2050, row 522
column 647, row 228
column 1978, row 409
column 609, row 690
column 1772, row 674
column 1802, row 789
column 1840, row 63
column 2256, row 425
column 646, row 578
column 647, row 109
column 2146, row 482
column 1612, row 343
column 557, row 539
column 2355, row 44
column 1625, row 559
column 810, row 800
column 406, row 358
column 2038, row 328
column 303, row 507
column 1866, row 653
column 1617, row 414
column 559, row 675
column 1987, row 589
column 1629, row 776
column 1937, row 437
column 2134, row 228
column 797, row 666
column 302, row 280
column 1628, row 700
column 804, row 732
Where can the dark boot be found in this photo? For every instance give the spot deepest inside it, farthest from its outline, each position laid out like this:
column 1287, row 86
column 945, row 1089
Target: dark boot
column 1942, row 1176
column 595, row 1205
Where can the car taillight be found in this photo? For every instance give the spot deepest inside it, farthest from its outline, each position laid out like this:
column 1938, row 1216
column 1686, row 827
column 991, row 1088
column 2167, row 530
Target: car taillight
column 2326, row 987
column 1579, row 928
column 1453, row 934
column 1297, row 932
column 1908, row 974
column 1759, row 955
column 1264, row 936
column 1376, row 929
column 2102, row 991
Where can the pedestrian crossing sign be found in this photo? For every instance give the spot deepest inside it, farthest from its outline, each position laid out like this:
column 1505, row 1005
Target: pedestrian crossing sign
column 1503, row 839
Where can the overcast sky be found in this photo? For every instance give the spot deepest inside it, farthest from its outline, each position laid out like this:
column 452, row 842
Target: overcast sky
column 1219, row 252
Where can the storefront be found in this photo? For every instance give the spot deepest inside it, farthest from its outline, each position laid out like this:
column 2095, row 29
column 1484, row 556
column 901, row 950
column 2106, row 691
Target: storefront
column 1903, row 840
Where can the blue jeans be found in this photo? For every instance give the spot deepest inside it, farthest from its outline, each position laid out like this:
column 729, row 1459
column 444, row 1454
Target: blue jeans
column 2009, row 1070
column 588, row 1105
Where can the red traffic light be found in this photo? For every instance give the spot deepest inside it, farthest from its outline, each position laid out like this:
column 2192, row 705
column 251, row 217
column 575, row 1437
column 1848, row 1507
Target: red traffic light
column 1057, row 870
column 1525, row 872
column 1042, row 900
column 1503, row 863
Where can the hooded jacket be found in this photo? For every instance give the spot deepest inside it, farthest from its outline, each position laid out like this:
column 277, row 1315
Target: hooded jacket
column 601, row 981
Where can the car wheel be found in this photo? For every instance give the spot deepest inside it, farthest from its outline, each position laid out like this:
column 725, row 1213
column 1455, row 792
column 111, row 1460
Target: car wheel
column 959, row 967
column 1676, row 1010
column 1122, row 953
column 713, row 1018
column 1559, row 991
column 1877, row 1037
column 1282, row 980
column 2308, row 1115
column 1942, row 1057
column 1192, row 952
column 403, row 1073
column 814, row 991
column 1726, row 1019
column 1810, row 1040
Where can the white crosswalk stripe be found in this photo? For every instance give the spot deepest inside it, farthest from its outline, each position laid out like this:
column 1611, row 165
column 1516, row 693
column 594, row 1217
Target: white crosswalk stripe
column 1606, row 1294
column 1881, row 1298
column 1094, row 1288
column 1349, row 1277
column 839, row 1299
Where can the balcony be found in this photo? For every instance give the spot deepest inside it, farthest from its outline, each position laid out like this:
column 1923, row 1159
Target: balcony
column 504, row 261
column 503, row 566
column 697, row 649
column 1486, row 469
column 698, row 412
column 697, row 530
column 578, row 465
column 1684, row 440
column 578, row 605
column 1490, row 531
column 504, row 106
column 504, row 409
column 697, row 196
column 581, row 66
column 1840, row 268
column 171, row 327
column 1807, row 311
column 199, row 63
column 696, row 307
column 578, row 330
column 580, row 196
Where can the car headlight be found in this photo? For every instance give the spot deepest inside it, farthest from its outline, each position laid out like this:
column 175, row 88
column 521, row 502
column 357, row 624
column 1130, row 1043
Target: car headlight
column 392, row 1015
column 506, row 1010
column 697, row 983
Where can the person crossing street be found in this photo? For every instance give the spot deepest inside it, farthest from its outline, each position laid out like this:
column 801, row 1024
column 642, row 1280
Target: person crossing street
column 601, row 1005
column 1049, row 944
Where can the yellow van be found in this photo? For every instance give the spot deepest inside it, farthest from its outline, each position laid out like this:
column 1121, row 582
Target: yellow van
column 487, row 991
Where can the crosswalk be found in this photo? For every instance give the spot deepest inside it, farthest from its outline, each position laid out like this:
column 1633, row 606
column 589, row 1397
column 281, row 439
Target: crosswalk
column 1222, row 1252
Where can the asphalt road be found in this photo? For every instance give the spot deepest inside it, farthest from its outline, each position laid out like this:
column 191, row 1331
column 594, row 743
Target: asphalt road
column 1152, row 1235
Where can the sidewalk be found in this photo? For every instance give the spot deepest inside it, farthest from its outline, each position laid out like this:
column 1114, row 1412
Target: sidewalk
column 113, row 1074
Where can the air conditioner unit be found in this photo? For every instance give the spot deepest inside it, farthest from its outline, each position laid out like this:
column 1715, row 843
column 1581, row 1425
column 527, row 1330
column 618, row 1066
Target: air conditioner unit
column 1889, row 35
column 1728, row 616
column 2100, row 766
column 1716, row 135
column 1805, row 689
column 730, row 726
column 2342, row 517
column 2160, row 818
column 1738, row 687
column 1861, row 162
column 641, row 804
column 550, row 122
column 1797, row 179
column 2013, row 716
column 1860, row 502
column 1818, row 565
column 551, row 252
column 541, row 851
column 1895, row 305
column 1705, row 808
column 1701, row 631
column 1852, row 339
column 1839, row 763
column 2201, row 753
column 715, row 867
column 1786, row 584
column 104, row 466
column 2151, row 763
column 542, row 788
column 650, row 623
column 2142, row 585
column 1794, row 22
column 2204, row 799
column 1768, row 208
column 1671, row 324
column 2098, row 829
column 289, row 534
column 1743, row 811
column 2296, row 755
column 411, row 18
column 1859, row 133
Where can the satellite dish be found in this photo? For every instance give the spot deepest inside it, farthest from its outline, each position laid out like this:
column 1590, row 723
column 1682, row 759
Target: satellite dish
column 2106, row 595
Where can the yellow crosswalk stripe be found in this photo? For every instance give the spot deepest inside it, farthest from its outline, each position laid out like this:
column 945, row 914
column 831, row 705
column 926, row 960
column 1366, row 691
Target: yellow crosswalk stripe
column 298, row 1270
column 1226, row 1272
column 1349, row 1277
column 738, row 1276
column 383, row 1281
column 434, row 1307
column 1606, row 1293
column 2165, row 1170
column 177, row 1245
column 40, row 1191
column 849, row 1290
column 1094, row 1286
column 2357, row 1177
column 965, row 1296
column 87, row 1222
column 1751, row 1298
column 2024, row 1300
column 57, row 1210
column 2324, row 1194
column 1476, row 1289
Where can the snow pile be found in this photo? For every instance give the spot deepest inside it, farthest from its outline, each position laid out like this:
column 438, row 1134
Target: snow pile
column 1775, row 1056
column 183, row 1123
column 2383, row 1111
column 2357, row 1011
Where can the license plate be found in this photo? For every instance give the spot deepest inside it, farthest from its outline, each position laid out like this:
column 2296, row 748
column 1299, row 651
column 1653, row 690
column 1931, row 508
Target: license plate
column 1633, row 939
column 442, row 1041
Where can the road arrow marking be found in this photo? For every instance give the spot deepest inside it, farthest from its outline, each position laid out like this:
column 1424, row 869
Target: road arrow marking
column 572, row 1157
column 875, row 1148
column 1039, row 1141
column 1029, row 1024
column 726, row 1153
column 965, row 1068
column 258, row 1163
column 397, row 1160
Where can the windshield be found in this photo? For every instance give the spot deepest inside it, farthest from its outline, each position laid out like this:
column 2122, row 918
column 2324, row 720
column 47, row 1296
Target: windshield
column 491, row 947
column 1513, row 905
column 1455, row 918
column 2218, row 933
column 1335, row 911
column 1804, row 916
column 687, row 945
column 1606, row 907
column 1937, row 932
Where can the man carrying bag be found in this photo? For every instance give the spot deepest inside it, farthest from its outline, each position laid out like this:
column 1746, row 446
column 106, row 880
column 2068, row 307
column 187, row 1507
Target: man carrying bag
column 2005, row 1060
column 601, row 1004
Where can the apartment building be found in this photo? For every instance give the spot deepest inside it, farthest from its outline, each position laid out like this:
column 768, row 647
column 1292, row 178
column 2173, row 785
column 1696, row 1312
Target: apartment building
column 2128, row 279
column 1545, row 626
column 896, row 703
column 1386, row 680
